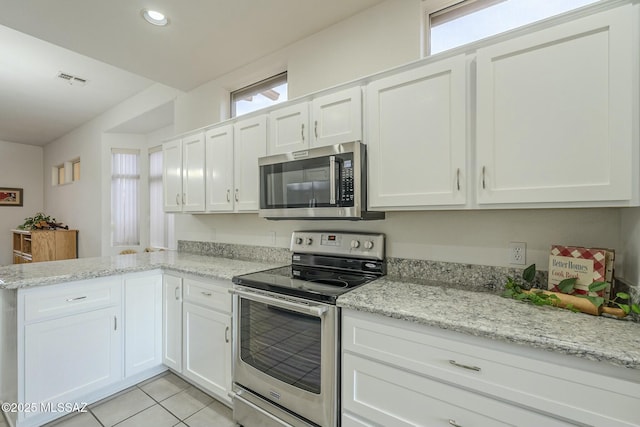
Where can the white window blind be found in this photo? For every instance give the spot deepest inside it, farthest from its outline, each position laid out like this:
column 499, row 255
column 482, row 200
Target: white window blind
column 125, row 193
column 160, row 223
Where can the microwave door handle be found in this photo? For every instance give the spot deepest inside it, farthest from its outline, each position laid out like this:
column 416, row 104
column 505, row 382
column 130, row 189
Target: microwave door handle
column 317, row 311
column 332, row 180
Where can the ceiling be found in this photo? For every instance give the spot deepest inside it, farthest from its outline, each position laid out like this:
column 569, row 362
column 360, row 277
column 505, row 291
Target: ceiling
column 119, row 54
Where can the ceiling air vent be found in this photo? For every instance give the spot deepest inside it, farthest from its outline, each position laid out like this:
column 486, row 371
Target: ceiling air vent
column 71, row 79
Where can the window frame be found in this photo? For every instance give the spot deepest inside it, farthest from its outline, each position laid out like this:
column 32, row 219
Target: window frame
column 256, row 88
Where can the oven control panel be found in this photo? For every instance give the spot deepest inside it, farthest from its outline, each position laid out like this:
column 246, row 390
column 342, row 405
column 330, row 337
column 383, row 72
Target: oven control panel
column 362, row 245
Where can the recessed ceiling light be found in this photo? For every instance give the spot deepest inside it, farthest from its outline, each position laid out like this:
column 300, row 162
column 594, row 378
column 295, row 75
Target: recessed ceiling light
column 154, row 17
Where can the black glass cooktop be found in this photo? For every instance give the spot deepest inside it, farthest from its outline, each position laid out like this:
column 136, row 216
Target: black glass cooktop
column 314, row 283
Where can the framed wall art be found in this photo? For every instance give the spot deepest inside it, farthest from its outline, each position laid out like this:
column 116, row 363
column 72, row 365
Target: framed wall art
column 10, row 196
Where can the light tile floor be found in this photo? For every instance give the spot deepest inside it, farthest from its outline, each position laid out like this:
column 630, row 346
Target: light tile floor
column 162, row 401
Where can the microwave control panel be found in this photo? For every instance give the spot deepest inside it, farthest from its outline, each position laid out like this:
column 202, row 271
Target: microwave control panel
column 346, row 184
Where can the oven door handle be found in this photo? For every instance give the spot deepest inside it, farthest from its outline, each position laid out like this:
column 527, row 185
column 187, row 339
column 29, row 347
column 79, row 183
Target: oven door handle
column 313, row 310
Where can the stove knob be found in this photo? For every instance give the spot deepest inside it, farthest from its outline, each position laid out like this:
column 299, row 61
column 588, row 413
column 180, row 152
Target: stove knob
column 355, row 244
column 308, row 241
column 368, row 244
column 298, row 240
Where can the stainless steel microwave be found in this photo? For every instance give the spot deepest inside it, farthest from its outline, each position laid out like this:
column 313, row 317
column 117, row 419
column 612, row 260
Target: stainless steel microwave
column 319, row 183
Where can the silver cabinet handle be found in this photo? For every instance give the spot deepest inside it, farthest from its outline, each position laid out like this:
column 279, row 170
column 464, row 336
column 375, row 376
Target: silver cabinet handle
column 183, row 194
column 302, row 132
column 228, row 195
column 484, row 184
column 115, row 323
column 175, row 292
column 315, row 128
column 76, row 298
column 458, row 179
column 460, row 365
column 177, row 198
column 454, row 423
column 332, row 180
column 226, row 334
column 236, row 197
column 206, row 294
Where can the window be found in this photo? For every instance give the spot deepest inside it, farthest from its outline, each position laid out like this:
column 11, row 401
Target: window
column 66, row 173
column 125, row 190
column 470, row 20
column 259, row 95
column 160, row 223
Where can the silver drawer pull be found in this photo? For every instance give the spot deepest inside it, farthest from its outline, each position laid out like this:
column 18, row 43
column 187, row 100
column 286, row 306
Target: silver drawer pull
column 454, row 423
column 469, row 367
column 206, row 294
column 76, row 298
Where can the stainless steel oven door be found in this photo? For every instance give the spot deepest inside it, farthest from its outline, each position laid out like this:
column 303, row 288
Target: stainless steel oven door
column 286, row 350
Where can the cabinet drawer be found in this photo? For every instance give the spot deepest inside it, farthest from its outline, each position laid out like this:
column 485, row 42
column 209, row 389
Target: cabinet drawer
column 488, row 368
column 208, row 294
column 66, row 299
column 397, row 398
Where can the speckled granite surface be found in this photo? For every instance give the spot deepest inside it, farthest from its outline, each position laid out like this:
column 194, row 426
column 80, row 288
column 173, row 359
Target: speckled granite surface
column 48, row 273
column 236, row 251
column 486, row 314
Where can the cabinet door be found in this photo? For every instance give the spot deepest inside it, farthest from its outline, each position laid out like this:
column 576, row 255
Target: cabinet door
column 289, row 129
column 70, row 357
column 207, row 349
column 143, row 323
column 172, row 322
column 193, row 173
column 172, row 175
column 554, row 113
column 337, row 118
column 417, row 139
column 250, row 143
column 219, row 163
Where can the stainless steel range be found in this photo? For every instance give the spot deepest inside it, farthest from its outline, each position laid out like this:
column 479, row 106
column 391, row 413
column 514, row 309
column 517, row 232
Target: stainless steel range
column 287, row 329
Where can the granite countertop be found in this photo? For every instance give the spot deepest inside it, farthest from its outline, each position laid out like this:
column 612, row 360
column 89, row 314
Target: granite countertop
column 486, row 314
column 470, row 310
column 49, row 273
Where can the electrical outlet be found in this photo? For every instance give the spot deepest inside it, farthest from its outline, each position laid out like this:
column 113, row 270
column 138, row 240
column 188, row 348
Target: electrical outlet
column 271, row 238
column 517, row 253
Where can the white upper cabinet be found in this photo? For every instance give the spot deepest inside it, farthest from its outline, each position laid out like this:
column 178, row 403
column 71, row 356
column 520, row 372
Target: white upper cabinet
column 219, row 162
column 289, row 129
column 183, row 174
column 249, row 143
column 172, row 175
column 555, row 112
column 417, row 137
column 334, row 118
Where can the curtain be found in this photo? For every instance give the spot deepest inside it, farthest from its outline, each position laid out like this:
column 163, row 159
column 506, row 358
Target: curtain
column 157, row 217
column 125, row 193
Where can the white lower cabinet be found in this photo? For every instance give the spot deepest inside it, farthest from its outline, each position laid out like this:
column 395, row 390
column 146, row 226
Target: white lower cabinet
column 79, row 342
column 398, row 373
column 197, row 332
column 70, row 337
column 172, row 322
column 142, row 322
column 207, row 350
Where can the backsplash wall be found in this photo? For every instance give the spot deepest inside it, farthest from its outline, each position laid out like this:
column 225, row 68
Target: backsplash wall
column 466, row 237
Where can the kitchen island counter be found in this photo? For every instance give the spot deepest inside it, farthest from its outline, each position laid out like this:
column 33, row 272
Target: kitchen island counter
column 483, row 313
column 49, row 273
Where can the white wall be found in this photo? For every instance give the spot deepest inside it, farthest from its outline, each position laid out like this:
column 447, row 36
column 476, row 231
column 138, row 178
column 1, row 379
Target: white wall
column 81, row 204
column 20, row 167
